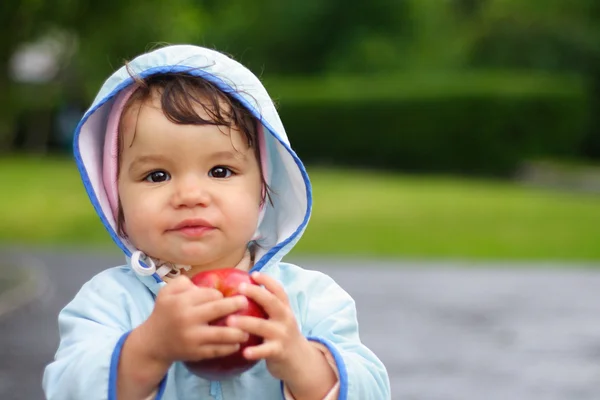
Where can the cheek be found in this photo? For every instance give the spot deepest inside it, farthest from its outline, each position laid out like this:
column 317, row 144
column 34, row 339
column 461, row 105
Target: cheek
column 139, row 228
column 136, row 209
column 244, row 211
column 139, row 210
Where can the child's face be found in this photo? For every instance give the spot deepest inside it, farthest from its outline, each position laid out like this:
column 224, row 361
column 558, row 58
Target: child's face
column 190, row 194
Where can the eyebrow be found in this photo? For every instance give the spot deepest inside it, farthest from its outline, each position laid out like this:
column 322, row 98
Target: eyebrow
column 147, row 159
column 225, row 154
column 159, row 159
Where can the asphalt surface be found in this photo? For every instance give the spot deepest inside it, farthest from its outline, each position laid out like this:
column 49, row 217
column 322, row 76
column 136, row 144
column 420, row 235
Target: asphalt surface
column 444, row 330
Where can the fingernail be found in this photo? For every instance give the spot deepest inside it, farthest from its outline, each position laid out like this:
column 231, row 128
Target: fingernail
column 242, row 301
column 255, row 274
column 246, row 337
column 243, row 287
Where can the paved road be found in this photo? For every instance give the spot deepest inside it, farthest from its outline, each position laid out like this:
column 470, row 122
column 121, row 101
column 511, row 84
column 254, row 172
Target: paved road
column 445, row 331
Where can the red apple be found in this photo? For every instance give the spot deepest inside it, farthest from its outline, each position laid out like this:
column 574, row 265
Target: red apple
column 227, row 282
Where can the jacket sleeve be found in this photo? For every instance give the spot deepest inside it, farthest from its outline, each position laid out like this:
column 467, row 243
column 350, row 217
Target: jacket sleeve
column 93, row 328
column 330, row 319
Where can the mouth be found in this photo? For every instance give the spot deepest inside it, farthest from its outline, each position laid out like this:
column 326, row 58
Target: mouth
column 193, row 227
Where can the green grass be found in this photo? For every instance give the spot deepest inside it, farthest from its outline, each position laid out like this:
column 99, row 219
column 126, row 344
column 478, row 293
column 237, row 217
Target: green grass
column 355, row 213
column 385, row 214
column 45, row 203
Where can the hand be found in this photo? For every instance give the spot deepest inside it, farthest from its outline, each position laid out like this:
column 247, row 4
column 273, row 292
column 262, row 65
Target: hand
column 178, row 328
column 284, row 346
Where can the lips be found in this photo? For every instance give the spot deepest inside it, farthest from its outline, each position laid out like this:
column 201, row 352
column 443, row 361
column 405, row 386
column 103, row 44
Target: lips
column 193, row 223
column 193, row 227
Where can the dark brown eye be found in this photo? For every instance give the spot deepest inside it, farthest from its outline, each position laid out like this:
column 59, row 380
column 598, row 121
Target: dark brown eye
column 220, row 172
column 157, row 176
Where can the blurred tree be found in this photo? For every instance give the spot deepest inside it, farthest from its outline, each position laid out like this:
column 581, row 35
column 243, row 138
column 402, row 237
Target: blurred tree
column 295, row 36
column 545, row 35
column 592, row 69
column 469, row 8
column 439, row 34
column 305, row 36
column 106, row 33
column 107, row 39
column 300, row 37
column 551, row 35
column 19, row 21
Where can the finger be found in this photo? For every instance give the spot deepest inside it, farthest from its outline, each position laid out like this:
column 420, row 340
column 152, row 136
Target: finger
column 213, row 351
column 274, row 307
column 265, row 350
column 257, row 326
column 207, row 334
column 199, row 296
column 213, row 310
column 272, row 286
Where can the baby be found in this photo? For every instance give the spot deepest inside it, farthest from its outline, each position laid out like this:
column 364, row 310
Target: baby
column 187, row 164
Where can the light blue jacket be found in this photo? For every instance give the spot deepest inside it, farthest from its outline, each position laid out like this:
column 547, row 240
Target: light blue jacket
column 95, row 324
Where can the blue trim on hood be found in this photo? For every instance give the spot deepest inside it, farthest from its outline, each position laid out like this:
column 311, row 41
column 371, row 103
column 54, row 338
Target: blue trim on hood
column 275, row 249
column 225, row 88
column 83, row 172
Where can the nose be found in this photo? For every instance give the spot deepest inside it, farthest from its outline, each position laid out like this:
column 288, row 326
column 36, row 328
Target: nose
column 191, row 191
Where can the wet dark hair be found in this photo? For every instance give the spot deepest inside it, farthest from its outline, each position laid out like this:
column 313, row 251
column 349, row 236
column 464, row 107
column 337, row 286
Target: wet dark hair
column 181, row 95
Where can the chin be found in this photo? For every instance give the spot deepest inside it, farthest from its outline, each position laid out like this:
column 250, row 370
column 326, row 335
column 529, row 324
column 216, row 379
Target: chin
column 193, row 257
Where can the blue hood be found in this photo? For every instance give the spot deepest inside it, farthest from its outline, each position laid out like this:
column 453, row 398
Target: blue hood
column 284, row 221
